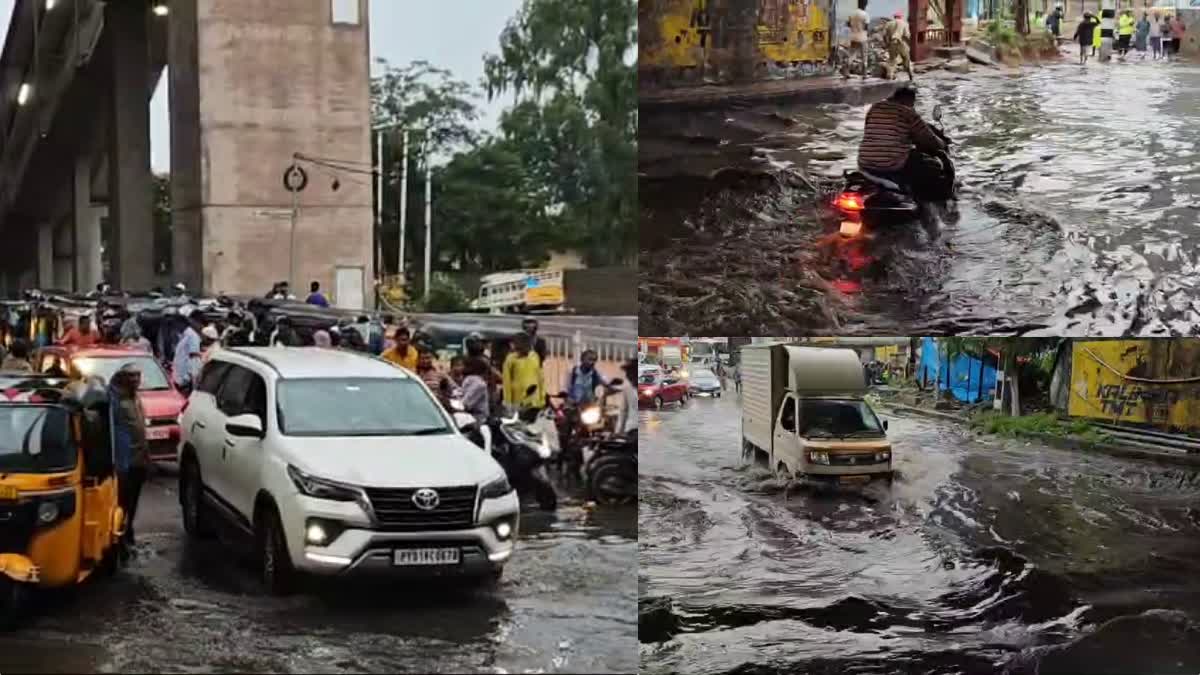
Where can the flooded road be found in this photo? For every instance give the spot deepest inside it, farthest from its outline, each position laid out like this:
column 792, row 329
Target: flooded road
column 984, row 556
column 566, row 605
column 1079, row 213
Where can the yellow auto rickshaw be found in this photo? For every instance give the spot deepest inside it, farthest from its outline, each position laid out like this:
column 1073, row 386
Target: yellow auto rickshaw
column 60, row 522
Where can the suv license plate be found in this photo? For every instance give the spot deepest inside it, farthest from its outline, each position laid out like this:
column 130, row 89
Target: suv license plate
column 425, row 556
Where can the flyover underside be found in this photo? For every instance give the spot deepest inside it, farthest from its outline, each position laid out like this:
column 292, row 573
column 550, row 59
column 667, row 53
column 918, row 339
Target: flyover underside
column 57, row 161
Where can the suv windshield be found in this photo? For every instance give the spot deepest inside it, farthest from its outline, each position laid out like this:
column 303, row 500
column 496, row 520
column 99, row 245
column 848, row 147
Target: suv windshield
column 35, row 439
column 153, row 377
column 838, row 418
column 358, row 407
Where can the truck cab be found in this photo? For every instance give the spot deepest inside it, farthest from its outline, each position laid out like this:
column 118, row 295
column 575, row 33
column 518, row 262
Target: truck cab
column 804, row 414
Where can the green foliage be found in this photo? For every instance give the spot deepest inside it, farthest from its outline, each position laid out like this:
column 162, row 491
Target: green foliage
column 445, row 296
column 164, row 232
column 1000, row 32
column 559, row 174
column 570, row 64
column 1041, row 423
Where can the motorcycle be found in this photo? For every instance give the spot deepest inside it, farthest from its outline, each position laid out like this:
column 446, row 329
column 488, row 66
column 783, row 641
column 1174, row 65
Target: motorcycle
column 611, row 469
column 868, row 200
column 609, row 459
column 521, row 451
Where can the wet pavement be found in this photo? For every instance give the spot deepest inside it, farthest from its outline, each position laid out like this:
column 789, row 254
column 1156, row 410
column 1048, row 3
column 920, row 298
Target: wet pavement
column 984, row 556
column 566, row 605
column 1079, row 213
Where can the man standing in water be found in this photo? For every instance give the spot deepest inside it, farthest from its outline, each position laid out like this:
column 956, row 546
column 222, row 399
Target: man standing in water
column 896, row 36
column 858, row 22
column 1083, row 33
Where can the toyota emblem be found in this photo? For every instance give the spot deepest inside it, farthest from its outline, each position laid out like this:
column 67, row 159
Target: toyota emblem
column 426, row 499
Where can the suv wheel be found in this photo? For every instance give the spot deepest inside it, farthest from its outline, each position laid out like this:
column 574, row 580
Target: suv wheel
column 275, row 565
column 191, row 498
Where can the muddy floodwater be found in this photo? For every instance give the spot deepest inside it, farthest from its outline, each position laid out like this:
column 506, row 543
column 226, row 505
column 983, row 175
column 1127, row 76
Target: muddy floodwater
column 567, row 604
column 984, row 556
column 1079, row 213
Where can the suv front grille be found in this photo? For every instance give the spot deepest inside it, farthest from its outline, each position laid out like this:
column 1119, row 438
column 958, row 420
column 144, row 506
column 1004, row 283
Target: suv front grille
column 395, row 510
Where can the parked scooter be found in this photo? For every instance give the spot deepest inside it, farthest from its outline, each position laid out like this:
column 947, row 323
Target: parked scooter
column 868, row 201
column 522, row 452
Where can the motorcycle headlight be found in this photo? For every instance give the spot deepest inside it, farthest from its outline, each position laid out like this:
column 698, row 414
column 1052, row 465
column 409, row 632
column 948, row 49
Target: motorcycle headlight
column 320, row 488
column 590, row 415
column 818, row 457
column 47, row 512
column 496, row 488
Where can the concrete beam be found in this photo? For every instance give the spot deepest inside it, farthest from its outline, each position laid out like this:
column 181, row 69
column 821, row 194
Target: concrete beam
column 131, row 257
column 88, row 263
column 45, row 255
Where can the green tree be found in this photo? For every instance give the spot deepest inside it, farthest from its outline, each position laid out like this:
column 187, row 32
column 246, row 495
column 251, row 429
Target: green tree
column 570, row 66
column 164, row 234
column 432, row 105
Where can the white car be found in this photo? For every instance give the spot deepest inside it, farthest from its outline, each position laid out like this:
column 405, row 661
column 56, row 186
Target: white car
column 336, row 463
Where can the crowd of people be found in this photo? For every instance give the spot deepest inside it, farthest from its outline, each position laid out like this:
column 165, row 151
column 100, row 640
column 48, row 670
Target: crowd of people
column 1159, row 34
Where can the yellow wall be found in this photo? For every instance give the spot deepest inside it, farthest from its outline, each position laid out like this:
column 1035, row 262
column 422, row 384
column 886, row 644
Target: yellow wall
column 1099, row 393
column 803, row 23
column 678, row 36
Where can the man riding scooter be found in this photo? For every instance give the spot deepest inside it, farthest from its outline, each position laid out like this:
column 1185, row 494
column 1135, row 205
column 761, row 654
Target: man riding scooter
column 898, row 145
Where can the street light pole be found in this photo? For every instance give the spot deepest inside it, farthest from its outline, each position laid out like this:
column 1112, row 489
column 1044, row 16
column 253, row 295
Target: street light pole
column 428, row 212
column 403, row 198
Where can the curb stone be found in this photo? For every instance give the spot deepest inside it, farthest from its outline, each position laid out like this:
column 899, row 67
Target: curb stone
column 1068, row 442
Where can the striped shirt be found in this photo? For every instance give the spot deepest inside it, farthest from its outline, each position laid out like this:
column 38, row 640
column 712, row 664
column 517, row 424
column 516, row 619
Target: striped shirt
column 892, row 129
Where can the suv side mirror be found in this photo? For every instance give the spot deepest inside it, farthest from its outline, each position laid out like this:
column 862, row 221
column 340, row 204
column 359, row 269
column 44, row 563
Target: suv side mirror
column 246, row 426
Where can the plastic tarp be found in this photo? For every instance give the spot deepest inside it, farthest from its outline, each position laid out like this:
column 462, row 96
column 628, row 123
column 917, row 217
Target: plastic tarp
column 964, row 372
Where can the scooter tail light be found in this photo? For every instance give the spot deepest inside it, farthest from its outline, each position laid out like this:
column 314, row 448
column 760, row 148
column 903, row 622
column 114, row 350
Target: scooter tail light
column 849, row 201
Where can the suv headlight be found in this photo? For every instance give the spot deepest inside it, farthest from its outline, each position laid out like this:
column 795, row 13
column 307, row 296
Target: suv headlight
column 496, row 488
column 321, row 488
column 818, row 457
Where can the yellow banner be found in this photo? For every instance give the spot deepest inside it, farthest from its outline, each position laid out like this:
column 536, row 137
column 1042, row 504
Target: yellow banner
column 544, row 295
column 1143, row 381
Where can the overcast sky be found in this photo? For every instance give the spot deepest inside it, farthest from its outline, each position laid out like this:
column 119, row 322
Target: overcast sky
column 452, row 34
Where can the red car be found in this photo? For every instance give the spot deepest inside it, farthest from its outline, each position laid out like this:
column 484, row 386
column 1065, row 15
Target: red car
column 161, row 401
column 656, row 390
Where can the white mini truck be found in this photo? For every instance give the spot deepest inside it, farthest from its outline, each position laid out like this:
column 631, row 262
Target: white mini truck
column 804, row 415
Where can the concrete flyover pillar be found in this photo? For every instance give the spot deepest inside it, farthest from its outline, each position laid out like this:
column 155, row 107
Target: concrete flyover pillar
column 45, row 255
column 278, row 78
column 131, row 252
column 88, row 262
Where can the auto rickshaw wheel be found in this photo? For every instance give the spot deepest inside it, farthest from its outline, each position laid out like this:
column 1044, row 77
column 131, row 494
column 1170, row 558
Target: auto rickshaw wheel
column 275, row 565
column 12, row 601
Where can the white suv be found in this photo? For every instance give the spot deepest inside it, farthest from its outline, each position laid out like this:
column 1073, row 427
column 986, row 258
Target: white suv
column 337, row 463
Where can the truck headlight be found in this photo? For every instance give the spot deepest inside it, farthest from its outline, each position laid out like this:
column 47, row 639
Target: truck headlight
column 818, row 457
column 883, row 456
column 496, row 488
